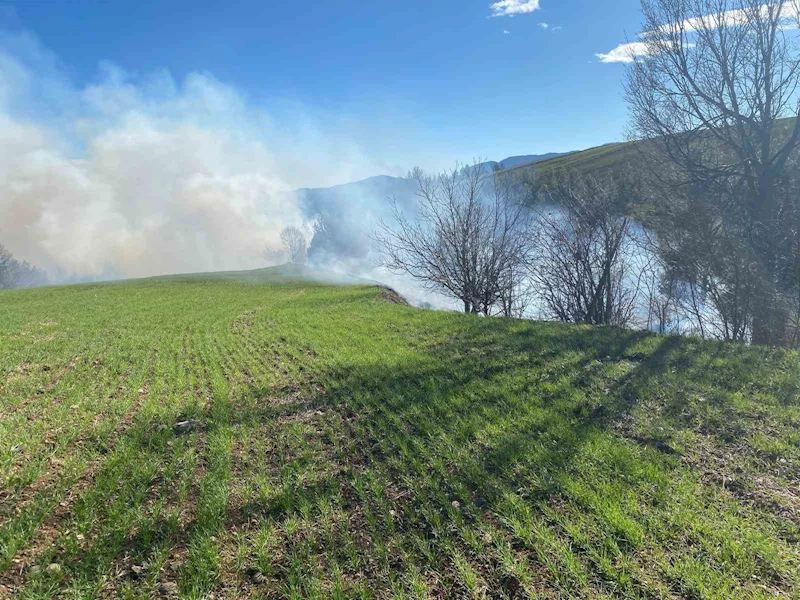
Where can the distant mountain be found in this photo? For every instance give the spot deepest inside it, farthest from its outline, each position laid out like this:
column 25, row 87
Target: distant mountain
column 370, row 185
column 512, row 162
column 386, row 186
column 347, row 214
column 351, row 212
column 516, row 161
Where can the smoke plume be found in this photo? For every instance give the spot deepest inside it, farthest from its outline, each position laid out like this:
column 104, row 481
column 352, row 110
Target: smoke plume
column 137, row 175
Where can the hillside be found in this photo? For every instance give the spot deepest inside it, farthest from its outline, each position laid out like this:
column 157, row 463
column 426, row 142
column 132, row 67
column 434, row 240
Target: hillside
column 589, row 161
column 608, row 156
column 351, row 211
column 336, row 445
column 516, row 161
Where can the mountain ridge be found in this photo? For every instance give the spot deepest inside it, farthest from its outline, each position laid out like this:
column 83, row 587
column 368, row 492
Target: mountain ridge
column 510, row 162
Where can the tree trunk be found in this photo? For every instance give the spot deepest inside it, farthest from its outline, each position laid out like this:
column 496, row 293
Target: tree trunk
column 767, row 328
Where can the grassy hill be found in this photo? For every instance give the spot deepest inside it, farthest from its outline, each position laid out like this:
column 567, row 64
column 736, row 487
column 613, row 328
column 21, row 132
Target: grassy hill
column 608, row 156
column 343, row 446
column 591, row 160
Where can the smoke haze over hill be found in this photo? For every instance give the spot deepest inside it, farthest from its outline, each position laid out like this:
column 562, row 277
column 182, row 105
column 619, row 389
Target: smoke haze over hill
column 142, row 174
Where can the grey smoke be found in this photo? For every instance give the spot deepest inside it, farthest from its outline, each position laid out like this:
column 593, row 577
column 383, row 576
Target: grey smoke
column 136, row 175
column 350, row 213
column 146, row 175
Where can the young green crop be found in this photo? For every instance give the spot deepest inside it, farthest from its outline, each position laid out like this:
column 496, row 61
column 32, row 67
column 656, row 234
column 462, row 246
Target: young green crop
column 345, row 447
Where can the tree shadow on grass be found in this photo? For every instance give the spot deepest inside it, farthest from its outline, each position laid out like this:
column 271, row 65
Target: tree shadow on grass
column 504, row 401
column 501, row 410
column 498, row 408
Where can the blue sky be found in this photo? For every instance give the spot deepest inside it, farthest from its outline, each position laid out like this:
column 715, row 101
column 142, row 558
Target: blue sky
column 164, row 136
column 416, row 81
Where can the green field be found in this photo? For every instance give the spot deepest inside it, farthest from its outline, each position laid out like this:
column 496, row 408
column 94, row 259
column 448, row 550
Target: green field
column 347, row 446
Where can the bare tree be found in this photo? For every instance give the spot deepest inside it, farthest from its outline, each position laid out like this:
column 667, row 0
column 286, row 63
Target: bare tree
column 273, row 256
column 294, row 243
column 516, row 292
column 706, row 273
column 660, row 289
column 710, row 93
column 467, row 239
column 584, row 268
column 6, row 268
column 16, row 274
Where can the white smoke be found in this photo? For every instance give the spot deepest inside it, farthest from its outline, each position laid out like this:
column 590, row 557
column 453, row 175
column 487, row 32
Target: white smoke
column 145, row 175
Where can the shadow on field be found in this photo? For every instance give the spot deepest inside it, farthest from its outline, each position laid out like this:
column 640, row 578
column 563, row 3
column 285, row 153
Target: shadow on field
column 495, row 409
column 419, row 435
column 498, row 407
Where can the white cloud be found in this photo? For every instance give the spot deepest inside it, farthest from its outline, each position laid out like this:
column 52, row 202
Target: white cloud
column 506, row 32
column 548, row 26
column 624, row 53
column 737, row 17
column 509, row 8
